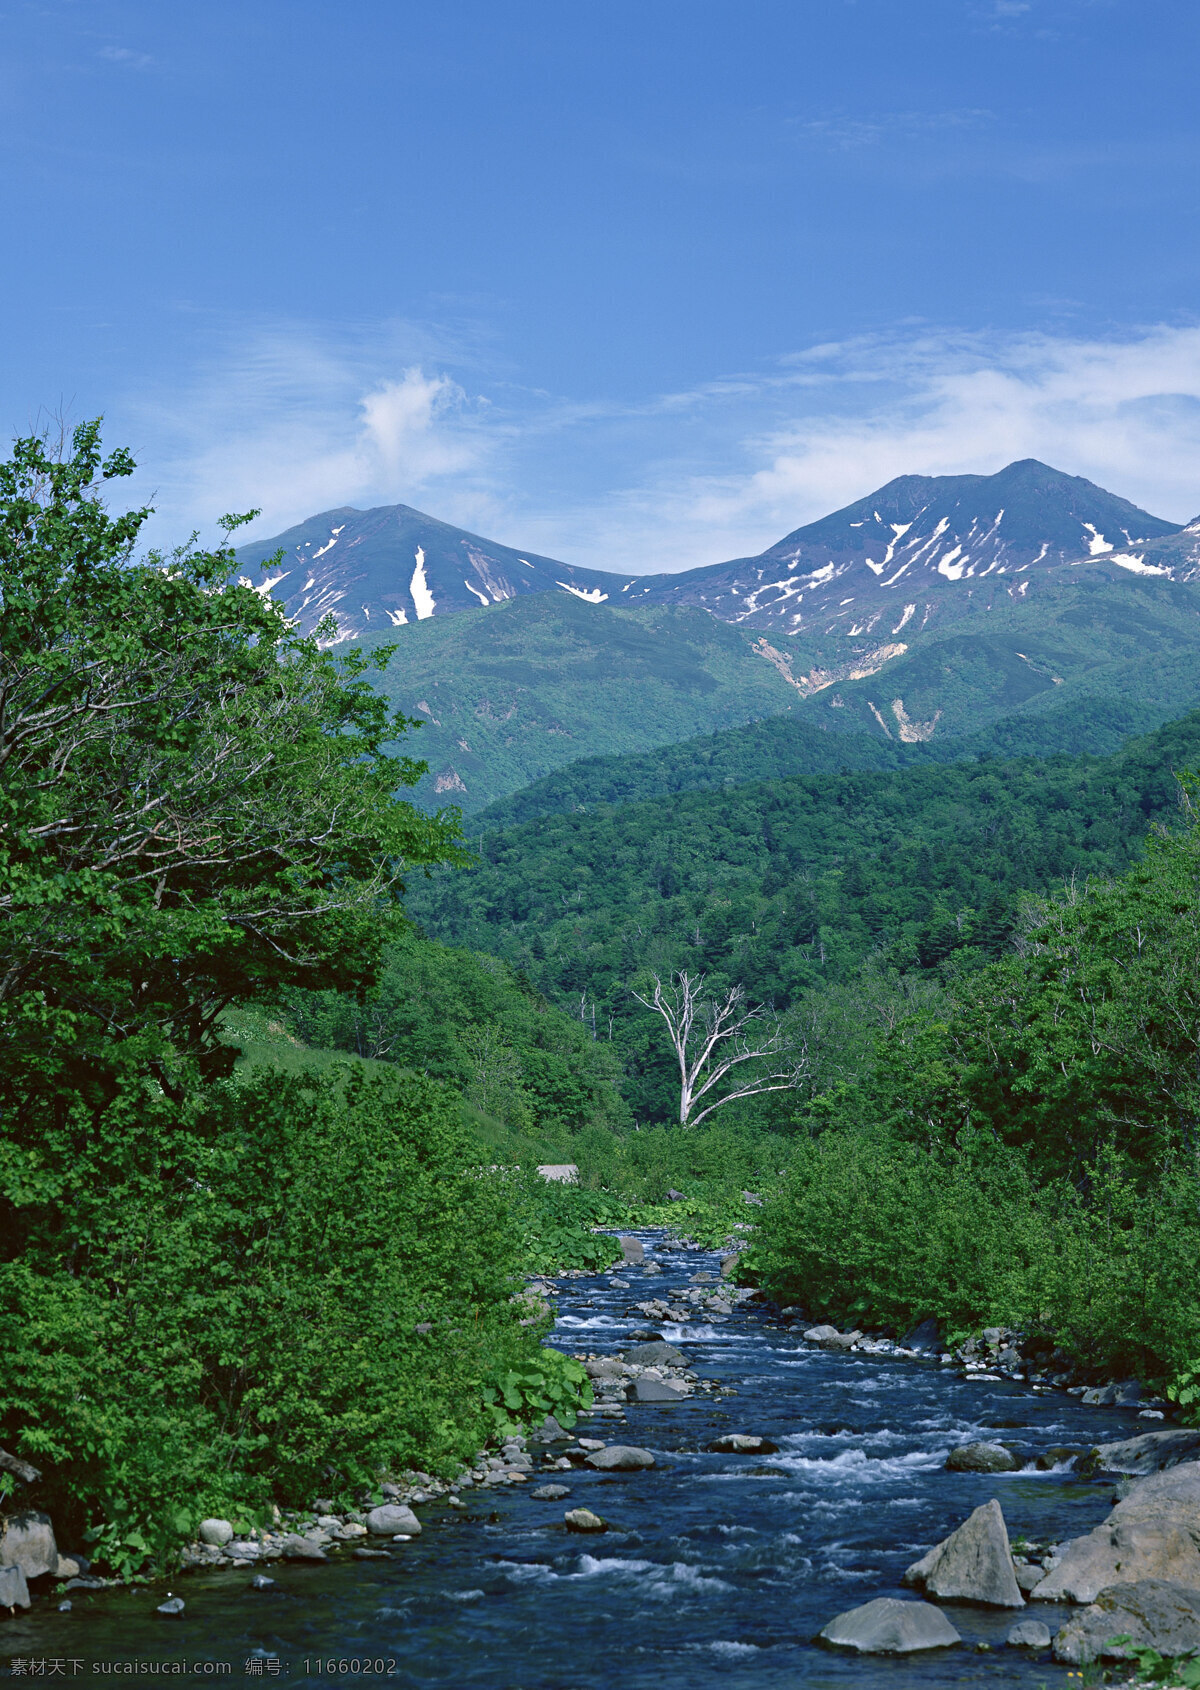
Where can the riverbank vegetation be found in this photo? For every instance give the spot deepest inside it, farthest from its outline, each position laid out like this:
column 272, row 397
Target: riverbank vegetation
column 268, row 1151
column 220, row 1288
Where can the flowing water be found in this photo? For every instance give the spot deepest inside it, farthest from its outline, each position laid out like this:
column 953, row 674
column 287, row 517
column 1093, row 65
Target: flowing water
column 718, row 1571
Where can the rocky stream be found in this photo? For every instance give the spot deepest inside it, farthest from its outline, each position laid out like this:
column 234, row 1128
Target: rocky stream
column 737, row 1488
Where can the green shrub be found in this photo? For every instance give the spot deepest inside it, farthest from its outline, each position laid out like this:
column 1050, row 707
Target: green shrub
column 314, row 1285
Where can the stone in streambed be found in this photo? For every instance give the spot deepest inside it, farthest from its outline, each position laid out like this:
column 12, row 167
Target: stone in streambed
column 297, row 1548
column 260, row 1581
column 27, row 1542
column 1152, row 1613
column 974, row 1564
column 14, row 1590
column 742, row 1443
column 172, row 1607
column 371, row 1555
column 390, row 1518
column 632, row 1249
column 1151, row 1535
column 1029, row 1634
column 655, row 1390
column 658, row 1353
column 981, row 1458
column 583, row 1520
column 620, row 1458
column 216, row 1532
column 889, row 1626
column 549, row 1493
column 1153, row 1452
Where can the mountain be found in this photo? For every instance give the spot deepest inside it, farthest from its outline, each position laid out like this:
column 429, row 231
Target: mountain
column 387, row 567
column 920, row 546
column 507, row 694
column 937, row 607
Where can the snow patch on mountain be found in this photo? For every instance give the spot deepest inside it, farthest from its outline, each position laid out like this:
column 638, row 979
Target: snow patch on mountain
column 422, row 598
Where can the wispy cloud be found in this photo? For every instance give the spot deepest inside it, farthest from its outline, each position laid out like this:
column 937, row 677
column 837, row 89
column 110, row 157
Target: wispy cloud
column 1124, row 412
column 297, row 422
column 848, row 132
column 129, row 57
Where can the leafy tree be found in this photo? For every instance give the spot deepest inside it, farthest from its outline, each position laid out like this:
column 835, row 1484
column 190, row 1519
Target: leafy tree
column 195, row 807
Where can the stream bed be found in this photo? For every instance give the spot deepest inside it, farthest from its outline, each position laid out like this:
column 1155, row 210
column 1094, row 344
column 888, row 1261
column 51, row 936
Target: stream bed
column 718, row 1570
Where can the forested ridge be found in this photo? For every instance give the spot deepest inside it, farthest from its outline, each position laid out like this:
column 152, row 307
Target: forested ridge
column 788, row 887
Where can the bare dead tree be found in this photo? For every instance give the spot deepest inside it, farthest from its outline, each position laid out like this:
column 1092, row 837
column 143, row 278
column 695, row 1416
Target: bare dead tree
column 714, row 1038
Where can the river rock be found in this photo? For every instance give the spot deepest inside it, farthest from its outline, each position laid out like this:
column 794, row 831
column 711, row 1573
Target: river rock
column 27, row 1541
column 632, row 1249
column 172, row 1607
column 606, row 1367
column 216, row 1532
column 1152, row 1613
column 14, row 1590
column 742, row 1443
column 889, row 1626
column 620, row 1458
column 583, row 1520
column 1153, row 1452
column 549, row 1493
column 981, row 1458
column 818, row 1335
column 1029, row 1634
column 260, row 1581
column 1126, row 1392
column 297, row 1548
column 655, row 1390
column 657, row 1353
column 1152, row 1534
column 924, row 1337
column 392, row 1517
column 1121, row 1553
column 974, row 1564
column 550, row 1432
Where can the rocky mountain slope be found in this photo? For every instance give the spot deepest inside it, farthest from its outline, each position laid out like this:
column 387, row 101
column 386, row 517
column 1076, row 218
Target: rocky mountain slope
column 388, row 567
column 921, row 548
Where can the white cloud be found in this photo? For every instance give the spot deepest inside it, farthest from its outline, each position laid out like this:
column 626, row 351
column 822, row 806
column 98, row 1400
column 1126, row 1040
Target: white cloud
column 297, row 422
column 127, row 56
column 1122, row 412
column 293, row 423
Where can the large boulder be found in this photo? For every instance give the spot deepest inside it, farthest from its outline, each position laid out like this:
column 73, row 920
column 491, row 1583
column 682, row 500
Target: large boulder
column 1152, row 1613
column 14, row 1591
column 974, row 1564
column 982, row 1458
column 393, row 1517
column 620, row 1458
column 215, row 1532
column 297, row 1548
column 632, row 1249
column 1154, row 1533
column 1121, row 1554
column 889, row 1626
column 1153, row 1452
column 657, row 1390
column 657, row 1353
column 27, row 1542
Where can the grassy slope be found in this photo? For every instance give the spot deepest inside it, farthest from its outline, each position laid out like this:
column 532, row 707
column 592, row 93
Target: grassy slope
column 1081, row 638
column 521, row 688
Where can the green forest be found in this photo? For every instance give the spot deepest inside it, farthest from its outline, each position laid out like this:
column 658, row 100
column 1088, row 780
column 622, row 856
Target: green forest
column 280, row 1051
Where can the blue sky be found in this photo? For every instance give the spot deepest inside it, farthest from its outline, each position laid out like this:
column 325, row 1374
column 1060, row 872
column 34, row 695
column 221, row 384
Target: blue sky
column 636, row 284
